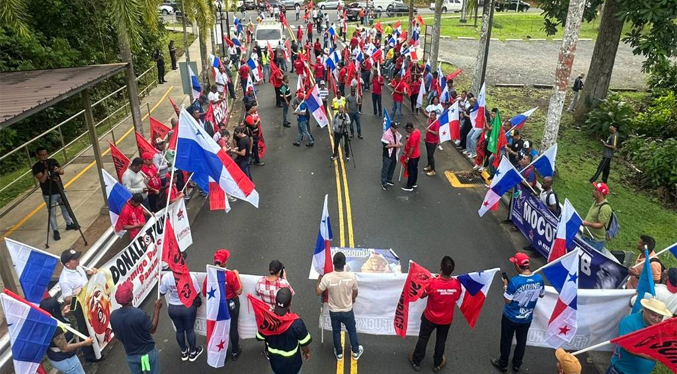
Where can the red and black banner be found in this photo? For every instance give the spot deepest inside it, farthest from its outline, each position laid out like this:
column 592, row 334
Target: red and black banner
column 418, row 279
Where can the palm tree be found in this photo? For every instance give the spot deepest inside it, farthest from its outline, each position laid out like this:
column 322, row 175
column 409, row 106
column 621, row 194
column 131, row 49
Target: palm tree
column 200, row 11
column 13, row 16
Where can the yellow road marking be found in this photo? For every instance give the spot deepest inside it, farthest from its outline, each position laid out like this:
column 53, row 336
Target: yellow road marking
column 339, row 363
column 81, row 173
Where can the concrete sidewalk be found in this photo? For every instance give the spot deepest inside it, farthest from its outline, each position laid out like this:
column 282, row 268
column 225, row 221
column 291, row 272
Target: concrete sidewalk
column 27, row 222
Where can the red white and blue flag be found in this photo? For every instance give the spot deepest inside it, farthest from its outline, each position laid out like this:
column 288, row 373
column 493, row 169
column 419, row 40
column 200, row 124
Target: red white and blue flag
column 316, row 107
column 196, row 151
column 194, row 83
column 117, row 196
column 218, row 317
column 30, row 331
column 506, row 177
column 397, row 28
column 569, row 223
column 478, row 113
column 256, row 69
column 322, row 261
column 545, row 163
column 216, row 64
column 474, row 290
column 449, row 123
column 563, row 276
column 33, row 267
column 519, row 120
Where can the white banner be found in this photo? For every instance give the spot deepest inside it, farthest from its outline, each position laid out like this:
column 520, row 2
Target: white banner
column 181, row 225
column 599, row 314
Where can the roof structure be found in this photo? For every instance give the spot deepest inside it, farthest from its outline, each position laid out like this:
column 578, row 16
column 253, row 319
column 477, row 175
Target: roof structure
column 24, row 93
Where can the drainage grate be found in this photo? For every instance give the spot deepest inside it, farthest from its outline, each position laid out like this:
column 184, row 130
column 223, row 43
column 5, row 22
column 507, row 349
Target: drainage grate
column 469, row 178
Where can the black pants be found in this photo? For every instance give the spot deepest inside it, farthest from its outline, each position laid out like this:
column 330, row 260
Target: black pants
column 424, row 334
column 173, row 57
column 184, row 321
column 255, row 149
column 161, row 73
column 277, row 96
column 465, row 129
column 388, row 169
column 88, row 351
column 234, row 336
column 342, row 88
column 430, row 150
column 365, row 78
column 376, row 104
column 243, row 82
column 337, row 143
column 508, row 330
column 412, row 169
column 412, row 97
column 231, row 90
column 604, row 168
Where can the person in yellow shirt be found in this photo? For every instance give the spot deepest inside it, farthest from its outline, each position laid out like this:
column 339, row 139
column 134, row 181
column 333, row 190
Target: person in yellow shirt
column 338, row 101
column 388, row 30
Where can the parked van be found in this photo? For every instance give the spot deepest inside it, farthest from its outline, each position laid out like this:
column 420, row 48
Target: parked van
column 449, row 6
column 381, row 5
column 269, row 31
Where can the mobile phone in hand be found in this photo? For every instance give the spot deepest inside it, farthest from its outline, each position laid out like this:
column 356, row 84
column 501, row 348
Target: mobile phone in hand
column 74, row 303
column 504, row 275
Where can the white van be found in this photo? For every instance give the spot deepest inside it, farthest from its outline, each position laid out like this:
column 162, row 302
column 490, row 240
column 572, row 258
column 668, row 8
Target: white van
column 269, row 31
column 381, row 5
column 449, row 6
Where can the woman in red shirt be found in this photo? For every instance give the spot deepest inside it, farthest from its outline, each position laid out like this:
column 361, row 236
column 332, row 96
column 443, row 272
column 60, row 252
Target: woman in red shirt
column 377, row 82
column 432, row 137
column 317, row 47
column 319, row 70
column 415, row 86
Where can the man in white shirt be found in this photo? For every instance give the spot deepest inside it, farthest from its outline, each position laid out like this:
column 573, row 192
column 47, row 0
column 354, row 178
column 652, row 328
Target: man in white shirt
column 135, row 181
column 666, row 291
column 221, row 81
column 214, row 93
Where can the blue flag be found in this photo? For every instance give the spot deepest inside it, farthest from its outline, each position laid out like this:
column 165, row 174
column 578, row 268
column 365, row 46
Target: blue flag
column 645, row 283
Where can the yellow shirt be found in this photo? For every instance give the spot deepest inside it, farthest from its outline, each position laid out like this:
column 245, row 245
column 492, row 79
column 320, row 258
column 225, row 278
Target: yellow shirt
column 336, row 102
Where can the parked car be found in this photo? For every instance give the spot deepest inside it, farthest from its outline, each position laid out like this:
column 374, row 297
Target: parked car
column 397, row 8
column 167, row 8
column 516, row 5
column 449, row 6
column 274, row 3
column 246, row 4
column 330, row 4
column 269, row 31
column 353, row 11
column 292, row 4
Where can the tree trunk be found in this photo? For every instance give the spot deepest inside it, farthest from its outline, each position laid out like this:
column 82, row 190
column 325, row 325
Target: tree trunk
column 483, row 50
column 565, row 62
column 437, row 27
column 411, row 16
column 464, row 7
column 130, row 77
column 204, row 57
column 602, row 62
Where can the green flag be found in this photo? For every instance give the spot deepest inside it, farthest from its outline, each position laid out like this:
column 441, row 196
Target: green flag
column 495, row 131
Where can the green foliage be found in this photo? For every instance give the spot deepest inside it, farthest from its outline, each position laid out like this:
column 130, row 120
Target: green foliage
column 613, row 110
column 658, row 120
column 655, row 158
column 555, row 13
column 663, row 76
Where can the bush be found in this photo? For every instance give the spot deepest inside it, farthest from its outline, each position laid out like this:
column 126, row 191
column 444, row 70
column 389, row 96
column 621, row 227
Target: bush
column 655, row 158
column 612, row 110
column 659, row 119
column 663, row 76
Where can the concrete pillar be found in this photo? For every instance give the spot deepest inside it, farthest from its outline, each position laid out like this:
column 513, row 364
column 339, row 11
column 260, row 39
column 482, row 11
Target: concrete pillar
column 94, row 139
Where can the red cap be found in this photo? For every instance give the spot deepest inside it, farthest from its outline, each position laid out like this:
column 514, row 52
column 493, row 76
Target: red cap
column 124, row 293
column 221, row 256
column 521, row 259
column 601, row 187
column 147, row 156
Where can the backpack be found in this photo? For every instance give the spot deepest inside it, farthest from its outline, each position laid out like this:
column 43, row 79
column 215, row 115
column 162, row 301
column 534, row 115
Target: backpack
column 558, row 209
column 613, row 226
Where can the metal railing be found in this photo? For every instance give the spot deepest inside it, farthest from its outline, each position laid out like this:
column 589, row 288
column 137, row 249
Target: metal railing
column 69, row 151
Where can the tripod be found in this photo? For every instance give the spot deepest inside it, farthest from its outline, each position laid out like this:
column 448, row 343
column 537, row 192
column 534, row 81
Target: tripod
column 64, row 200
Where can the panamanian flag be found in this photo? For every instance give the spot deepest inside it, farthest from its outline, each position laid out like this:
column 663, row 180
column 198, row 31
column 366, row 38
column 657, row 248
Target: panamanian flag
column 255, row 68
column 218, row 317
column 519, row 120
column 567, row 227
column 477, row 115
column 474, row 290
column 316, row 107
column 30, row 331
column 33, row 267
column 506, row 177
column 117, row 196
column 545, row 163
column 322, row 261
column 195, row 83
column 563, row 276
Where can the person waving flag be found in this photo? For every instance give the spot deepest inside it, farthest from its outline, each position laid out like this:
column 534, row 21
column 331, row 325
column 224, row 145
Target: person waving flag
column 322, row 254
column 567, row 227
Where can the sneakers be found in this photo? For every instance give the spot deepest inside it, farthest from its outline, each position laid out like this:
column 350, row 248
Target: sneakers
column 441, row 365
column 360, row 136
column 297, row 144
column 194, row 355
column 431, row 173
column 235, row 355
column 439, row 146
column 497, row 365
column 259, row 163
column 407, row 189
column 413, row 364
column 310, row 144
column 339, row 356
column 358, row 354
column 231, row 199
column 71, row 226
column 384, row 187
column 348, row 158
column 415, row 186
column 184, row 355
column 427, row 168
column 476, row 167
column 482, row 169
column 390, row 183
column 57, row 235
column 334, row 158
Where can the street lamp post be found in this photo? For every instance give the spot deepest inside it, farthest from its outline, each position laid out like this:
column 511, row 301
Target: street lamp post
column 223, row 42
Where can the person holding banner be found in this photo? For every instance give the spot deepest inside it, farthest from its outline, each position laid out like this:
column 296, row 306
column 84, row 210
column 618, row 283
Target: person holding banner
column 132, row 218
column 442, row 292
column 645, row 242
column 62, row 351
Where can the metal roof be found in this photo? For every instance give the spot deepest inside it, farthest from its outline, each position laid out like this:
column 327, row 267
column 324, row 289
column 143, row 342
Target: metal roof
column 24, row 93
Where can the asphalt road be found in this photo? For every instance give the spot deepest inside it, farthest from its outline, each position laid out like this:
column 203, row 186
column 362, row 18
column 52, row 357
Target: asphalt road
column 424, row 225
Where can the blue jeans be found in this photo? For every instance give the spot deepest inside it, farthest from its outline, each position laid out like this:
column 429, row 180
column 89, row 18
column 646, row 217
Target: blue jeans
column 355, row 117
column 134, row 363
column 184, row 321
column 303, row 132
column 471, row 142
column 68, row 366
column 285, row 111
column 396, row 114
column 348, row 320
column 56, row 201
column 246, row 168
column 599, row 246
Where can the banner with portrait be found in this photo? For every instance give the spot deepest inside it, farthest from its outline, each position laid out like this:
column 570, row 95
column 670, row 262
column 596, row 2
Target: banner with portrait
column 366, row 260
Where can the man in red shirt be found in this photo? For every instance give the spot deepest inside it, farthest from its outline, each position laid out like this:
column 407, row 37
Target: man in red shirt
column 319, row 70
column 376, row 87
column 432, row 138
column 299, row 66
column 342, row 79
column 317, row 48
column 310, row 32
column 276, row 80
column 398, row 95
column 244, row 74
column 366, row 70
column 411, row 155
column 442, row 292
column 133, row 217
column 299, row 34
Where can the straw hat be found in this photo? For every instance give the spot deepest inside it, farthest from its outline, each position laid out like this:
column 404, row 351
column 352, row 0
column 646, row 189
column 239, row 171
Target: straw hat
column 568, row 362
column 656, row 306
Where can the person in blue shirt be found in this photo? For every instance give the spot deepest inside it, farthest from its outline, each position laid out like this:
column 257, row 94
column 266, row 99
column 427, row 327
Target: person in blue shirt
column 624, row 362
column 521, row 293
column 301, row 113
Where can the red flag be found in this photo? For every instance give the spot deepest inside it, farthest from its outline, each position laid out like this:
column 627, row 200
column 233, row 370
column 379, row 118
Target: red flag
column 227, row 40
column 262, row 143
column 217, row 198
column 267, row 322
column 120, row 161
column 403, row 161
column 657, row 341
column 502, row 141
column 419, row 19
column 417, row 280
column 157, row 130
column 172, row 256
column 143, row 145
column 454, row 74
column 176, row 108
column 172, row 140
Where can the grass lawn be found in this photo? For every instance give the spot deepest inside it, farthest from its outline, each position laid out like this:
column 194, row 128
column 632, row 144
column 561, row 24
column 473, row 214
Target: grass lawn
column 177, row 37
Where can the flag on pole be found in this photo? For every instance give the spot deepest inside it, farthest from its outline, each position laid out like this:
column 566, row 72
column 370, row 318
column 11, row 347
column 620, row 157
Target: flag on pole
column 176, row 108
column 563, row 275
column 519, row 120
column 117, row 196
column 378, row 27
column 545, row 163
column 645, row 283
column 496, row 129
column 397, row 28
column 421, row 93
column 255, row 69
column 33, row 267
column 216, row 63
column 500, row 143
column 477, row 115
column 386, row 120
column 30, row 331
column 120, row 161
column 316, row 107
column 322, row 261
column 195, row 83
column 673, row 250
column 143, row 145
column 474, row 290
column 418, row 279
column 157, row 130
column 199, row 153
column 419, row 19
column 567, row 227
column 654, row 341
column 505, row 178
column 449, row 124
column 218, row 317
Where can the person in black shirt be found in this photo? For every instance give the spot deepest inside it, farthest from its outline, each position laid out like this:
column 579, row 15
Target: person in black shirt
column 62, row 351
column 515, row 148
column 243, row 151
column 48, row 172
column 283, row 348
column 160, row 61
column 576, row 89
column 172, row 54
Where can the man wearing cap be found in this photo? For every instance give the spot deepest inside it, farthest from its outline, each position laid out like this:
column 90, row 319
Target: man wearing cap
column 341, row 287
column 283, row 344
column 132, row 217
column 72, row 279
column 135, row 181
column 666, row 291
column 567, row 363
column 133, row 328
column 598, row 218
column 353, row 101
column 233, row 290
column 521, row 293
column 624, row 362
column 160, row 158
column 301, row 113
column 392, row 142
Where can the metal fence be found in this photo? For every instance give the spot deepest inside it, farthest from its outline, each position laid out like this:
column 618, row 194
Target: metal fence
column 80, row 144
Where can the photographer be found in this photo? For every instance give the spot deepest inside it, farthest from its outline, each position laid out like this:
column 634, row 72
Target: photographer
column 340, row 128
column 48, row 172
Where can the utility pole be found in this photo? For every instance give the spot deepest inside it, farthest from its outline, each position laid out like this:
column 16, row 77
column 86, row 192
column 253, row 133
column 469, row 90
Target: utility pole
column 483, row 51
column 565, row 62
column 186, row 47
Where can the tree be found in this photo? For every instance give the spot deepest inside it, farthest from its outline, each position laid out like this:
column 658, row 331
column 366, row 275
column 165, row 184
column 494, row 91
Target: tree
column 437, row 28
column 483, row 50
column 13, row 15
column 411, row 16
column 199, row 11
